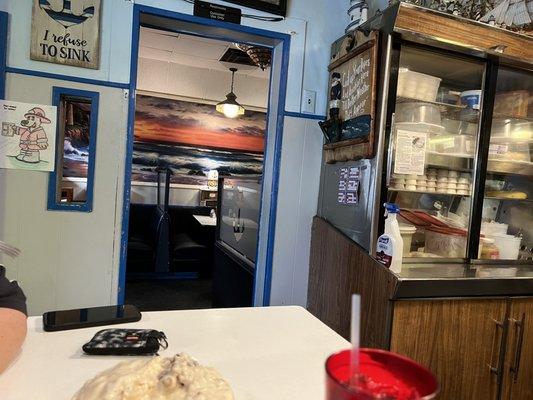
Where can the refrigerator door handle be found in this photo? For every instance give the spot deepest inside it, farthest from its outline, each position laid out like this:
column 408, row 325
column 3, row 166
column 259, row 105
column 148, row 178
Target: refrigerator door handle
column 498, row 369
column 520, row 325
column 392, row 136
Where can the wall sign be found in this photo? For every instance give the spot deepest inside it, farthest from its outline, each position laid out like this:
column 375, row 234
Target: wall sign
column 217, row 12
column 66, row 32
column 352, row 82
column 352, row 100
column 349, row 181
column 278, row 7
column 27, row 136
column 410, row 152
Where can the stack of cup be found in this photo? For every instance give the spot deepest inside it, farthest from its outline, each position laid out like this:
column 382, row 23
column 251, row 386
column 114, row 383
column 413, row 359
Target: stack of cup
column 464, row 184
column 431, row 175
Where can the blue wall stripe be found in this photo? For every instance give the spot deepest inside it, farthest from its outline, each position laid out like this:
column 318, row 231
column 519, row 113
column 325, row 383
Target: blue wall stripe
column 4, row 18
column 304, row 115
column 53, row 205
column 136, row 28
column 67, row 78
column 276, row 172
column 261, row 210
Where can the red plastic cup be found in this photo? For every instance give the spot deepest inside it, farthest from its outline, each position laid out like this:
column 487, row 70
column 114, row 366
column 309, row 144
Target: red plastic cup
column 382, row 367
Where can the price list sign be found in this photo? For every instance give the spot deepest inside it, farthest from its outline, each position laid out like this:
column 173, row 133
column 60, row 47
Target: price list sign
column 348, row 189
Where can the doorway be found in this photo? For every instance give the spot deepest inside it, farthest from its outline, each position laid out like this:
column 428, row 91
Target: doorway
column 175, row 23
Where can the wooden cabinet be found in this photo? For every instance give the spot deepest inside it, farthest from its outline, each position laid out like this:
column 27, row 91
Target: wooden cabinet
column 518, row 369
column 461, row 341
column 479, row 348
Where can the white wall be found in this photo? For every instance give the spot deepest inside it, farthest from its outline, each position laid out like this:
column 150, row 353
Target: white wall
column 313, row 24
column 71, row 259
column 297, row 205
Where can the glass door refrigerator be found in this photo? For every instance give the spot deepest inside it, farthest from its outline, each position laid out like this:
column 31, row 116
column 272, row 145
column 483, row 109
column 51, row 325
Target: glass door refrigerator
column 458, row 143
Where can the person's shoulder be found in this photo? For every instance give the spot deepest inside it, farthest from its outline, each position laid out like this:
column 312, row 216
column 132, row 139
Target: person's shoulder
column 11, row 295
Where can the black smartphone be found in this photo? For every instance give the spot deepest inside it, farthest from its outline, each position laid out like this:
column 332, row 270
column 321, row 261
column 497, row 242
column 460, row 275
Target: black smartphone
column 87, row 317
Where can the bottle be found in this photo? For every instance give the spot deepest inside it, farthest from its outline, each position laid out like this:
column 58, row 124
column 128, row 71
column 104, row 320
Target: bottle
column 390, row 244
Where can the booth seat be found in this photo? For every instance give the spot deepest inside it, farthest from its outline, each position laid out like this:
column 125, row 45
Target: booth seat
column 188, row 247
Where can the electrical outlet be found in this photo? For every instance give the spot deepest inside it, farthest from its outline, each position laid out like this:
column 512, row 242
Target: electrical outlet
column 309, row 102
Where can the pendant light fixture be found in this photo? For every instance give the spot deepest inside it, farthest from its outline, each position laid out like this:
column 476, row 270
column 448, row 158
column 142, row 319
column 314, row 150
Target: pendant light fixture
column 229, row 107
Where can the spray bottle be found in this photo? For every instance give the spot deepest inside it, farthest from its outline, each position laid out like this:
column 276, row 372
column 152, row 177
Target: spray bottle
column 390, row 244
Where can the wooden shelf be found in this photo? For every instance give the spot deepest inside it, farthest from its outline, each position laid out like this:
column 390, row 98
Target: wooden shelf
column 427, row 192
column 510, row 167
column 506, row 199
column 503, row 116
column 436, row 103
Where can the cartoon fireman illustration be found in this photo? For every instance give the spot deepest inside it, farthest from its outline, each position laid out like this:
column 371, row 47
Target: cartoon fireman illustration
column 33, row 138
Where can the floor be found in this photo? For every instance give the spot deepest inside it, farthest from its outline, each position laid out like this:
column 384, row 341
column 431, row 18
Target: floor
column 158, row 295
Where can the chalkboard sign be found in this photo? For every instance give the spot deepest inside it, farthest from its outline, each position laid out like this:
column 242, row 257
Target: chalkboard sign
column 353, row 97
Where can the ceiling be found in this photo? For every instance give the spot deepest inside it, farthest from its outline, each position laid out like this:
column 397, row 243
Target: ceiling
column 192, row 51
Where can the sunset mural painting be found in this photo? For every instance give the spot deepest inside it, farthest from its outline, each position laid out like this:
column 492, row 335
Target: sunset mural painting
column 192, row 138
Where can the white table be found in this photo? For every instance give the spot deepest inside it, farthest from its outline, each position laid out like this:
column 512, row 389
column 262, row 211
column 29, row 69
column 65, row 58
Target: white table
column 274, row 353
column 206, row 220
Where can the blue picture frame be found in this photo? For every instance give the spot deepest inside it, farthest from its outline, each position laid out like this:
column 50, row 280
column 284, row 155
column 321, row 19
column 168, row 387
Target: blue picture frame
column 87, row 206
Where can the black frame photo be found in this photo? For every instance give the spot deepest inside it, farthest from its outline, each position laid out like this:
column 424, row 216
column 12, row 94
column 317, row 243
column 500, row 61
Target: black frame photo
column 278, row 7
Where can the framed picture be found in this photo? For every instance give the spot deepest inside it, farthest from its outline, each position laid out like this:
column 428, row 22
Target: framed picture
column 278, row 7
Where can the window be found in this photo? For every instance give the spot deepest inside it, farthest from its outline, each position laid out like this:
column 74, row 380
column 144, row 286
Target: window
column 71, row 184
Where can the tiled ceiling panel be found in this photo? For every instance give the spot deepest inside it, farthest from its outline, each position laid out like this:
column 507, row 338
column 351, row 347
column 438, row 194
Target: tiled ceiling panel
column 209, row 51
column 191, row 51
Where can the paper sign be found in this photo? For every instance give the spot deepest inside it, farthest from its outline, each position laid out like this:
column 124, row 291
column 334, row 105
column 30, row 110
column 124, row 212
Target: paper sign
column 348, row 189
column 27, row 136
column 410, row 152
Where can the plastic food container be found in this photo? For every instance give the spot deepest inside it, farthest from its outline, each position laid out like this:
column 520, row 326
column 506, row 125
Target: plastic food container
column 509, row 152
column 515, row 103
column 508, row 245
column 416, row 112
column 445, row 95
column 415, row 85
column 407, row 231
column 453, row 144
column 471, row 99
column 459, row 127
column 489, row 251
column 446, row 242
column 382, row 368
column 494, row 228
column 511, row 129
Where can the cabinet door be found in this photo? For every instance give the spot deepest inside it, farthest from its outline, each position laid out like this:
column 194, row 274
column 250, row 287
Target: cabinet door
column 518, row 372
column 508, row 206
column 432, row 147
column 459, row 340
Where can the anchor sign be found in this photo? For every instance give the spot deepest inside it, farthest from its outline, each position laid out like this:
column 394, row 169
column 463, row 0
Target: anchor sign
column 66, row 17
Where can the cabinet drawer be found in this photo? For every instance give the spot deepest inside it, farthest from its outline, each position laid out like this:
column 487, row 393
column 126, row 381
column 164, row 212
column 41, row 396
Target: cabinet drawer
column 459, row 340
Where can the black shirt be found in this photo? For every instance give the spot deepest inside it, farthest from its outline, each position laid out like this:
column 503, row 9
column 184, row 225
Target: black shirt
column 11, row 295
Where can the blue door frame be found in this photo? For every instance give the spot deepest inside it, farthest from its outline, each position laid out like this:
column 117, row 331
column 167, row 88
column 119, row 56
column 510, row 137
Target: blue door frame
column 282, row 40
column 3, row 52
